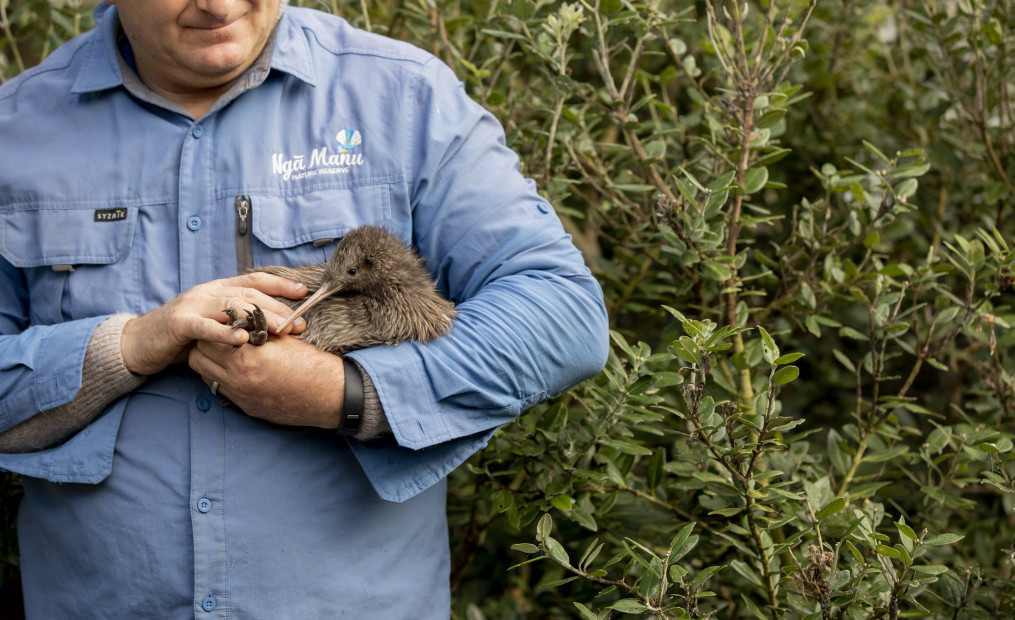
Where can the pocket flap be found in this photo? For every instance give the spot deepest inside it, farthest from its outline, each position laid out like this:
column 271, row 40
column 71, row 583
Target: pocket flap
column 285, row 222
column 47, row 236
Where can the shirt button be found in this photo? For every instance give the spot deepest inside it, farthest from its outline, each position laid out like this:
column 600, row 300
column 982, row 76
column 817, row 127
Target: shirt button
column 543, row 207
column 204, row 505
column 208, row 603
column 197, row 131
column 203, row 404
column 193, row 222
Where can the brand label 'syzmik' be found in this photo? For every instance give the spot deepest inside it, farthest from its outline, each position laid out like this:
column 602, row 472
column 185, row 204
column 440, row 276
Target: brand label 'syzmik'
column 110, row 215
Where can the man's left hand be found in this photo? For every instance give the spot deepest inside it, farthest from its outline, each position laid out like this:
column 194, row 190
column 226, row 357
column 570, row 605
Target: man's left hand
column 285, row 381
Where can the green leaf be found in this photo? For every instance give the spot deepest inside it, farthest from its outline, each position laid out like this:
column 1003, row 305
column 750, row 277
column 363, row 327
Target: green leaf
column 629, row 606
column 876, row 151
column 943, row 539
column 906, row 530
column 561, row 502
column 888, row 552
column 655, row 471
column 544, row 527
column 556, row 550
column 831, row 508
column 608, row 7
column 772, row 156
column 903, row 554
column 722, row 181
column 789, row 358
column 785, row 375
column 586, row 613
column 590, row 554
column 525, row 548
column 680, row 538
column 770, row 118
column 706, row 573
column 728, row 512
column 503, row 500
column 755, row 179
column 768, row 346
column 885, row 455
column 683, row 353
column 558, row 582
column 853, row 550
column 917, row 170
column 714, row 270
column 906, row 189
column 656, row 149
column 849, row 332
column 627, row 446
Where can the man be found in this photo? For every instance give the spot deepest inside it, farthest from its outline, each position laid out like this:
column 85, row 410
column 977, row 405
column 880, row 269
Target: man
column 146, row 164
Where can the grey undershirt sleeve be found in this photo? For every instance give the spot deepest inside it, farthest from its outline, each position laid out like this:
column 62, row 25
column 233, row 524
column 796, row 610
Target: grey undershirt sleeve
column 105, row 378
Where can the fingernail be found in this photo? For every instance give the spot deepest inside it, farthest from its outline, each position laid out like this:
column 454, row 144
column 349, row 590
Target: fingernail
column 279, row 321
column 299, row 322
column 237, row 336
column 297, row 286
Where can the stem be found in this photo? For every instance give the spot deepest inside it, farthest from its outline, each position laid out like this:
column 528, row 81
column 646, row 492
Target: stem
column 652, row 499
column 557, row 110
column 756, row 534
column 10, row 36
column 860, row 449
column 366, row 15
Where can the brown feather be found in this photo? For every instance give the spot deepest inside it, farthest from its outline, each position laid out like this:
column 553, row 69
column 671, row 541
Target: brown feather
column 385, row 295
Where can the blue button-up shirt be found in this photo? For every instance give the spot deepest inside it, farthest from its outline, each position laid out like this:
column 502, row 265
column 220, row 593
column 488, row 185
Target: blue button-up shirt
column 170, row 505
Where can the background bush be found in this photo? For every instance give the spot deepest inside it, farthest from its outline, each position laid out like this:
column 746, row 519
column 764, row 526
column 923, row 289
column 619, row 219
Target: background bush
column 800, row 213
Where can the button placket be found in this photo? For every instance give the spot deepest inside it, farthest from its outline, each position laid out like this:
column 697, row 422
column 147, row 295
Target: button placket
column 207, row 514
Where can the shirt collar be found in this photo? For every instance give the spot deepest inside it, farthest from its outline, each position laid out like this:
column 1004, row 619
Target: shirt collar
column 103, row 66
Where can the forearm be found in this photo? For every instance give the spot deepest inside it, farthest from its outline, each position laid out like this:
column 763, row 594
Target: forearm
column 104, row 378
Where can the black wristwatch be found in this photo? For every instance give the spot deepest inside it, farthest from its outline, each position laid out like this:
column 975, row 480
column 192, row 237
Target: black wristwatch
column 352, row 404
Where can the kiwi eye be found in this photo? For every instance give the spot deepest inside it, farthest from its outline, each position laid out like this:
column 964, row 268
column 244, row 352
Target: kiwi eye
column 352, row 272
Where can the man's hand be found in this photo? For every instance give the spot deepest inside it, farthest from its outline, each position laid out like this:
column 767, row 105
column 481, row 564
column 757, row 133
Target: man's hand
column 162, row 337
column 286, row 381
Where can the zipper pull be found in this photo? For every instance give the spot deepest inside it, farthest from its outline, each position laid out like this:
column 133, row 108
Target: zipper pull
column 242, row 213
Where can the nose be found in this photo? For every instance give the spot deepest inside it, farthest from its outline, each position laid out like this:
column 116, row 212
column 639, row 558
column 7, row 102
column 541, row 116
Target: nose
column 219, row 8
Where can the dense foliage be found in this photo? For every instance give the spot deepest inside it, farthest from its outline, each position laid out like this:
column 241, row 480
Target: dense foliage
column 800, row 213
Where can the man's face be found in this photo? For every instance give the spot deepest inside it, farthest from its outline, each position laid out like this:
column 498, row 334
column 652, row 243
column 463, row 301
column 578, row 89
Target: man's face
column 187, row 46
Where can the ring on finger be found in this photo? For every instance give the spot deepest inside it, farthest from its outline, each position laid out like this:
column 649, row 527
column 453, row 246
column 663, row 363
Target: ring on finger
column 214, row 387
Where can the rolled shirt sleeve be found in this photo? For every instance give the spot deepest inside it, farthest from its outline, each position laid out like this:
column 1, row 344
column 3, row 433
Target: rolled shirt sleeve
column 40, row 369
column 531, row 320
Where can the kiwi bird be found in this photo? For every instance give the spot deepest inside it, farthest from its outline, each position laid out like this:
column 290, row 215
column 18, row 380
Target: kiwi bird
column 374, row 290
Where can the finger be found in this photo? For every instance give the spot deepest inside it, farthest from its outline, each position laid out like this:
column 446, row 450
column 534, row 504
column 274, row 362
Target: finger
column 206, row 367
column 218, row 354
column 244, row 299
column 207, row 326
column 269, row 284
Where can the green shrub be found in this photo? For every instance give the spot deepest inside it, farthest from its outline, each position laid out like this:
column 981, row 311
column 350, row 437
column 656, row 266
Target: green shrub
column 797, row 211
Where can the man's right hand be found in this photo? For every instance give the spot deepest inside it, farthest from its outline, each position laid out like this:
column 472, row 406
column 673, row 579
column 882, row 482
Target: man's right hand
column 164, row 336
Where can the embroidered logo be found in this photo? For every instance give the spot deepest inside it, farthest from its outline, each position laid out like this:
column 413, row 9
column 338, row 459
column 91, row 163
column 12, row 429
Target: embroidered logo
column 322, row 160
column 348, row 139
column 110, row 215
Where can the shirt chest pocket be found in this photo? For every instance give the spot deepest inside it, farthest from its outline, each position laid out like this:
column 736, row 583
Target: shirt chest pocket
column 77, row 262
column 295, row 231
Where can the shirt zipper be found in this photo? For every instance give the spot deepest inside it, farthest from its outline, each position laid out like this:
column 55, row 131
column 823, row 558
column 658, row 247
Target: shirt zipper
column 244, row 240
